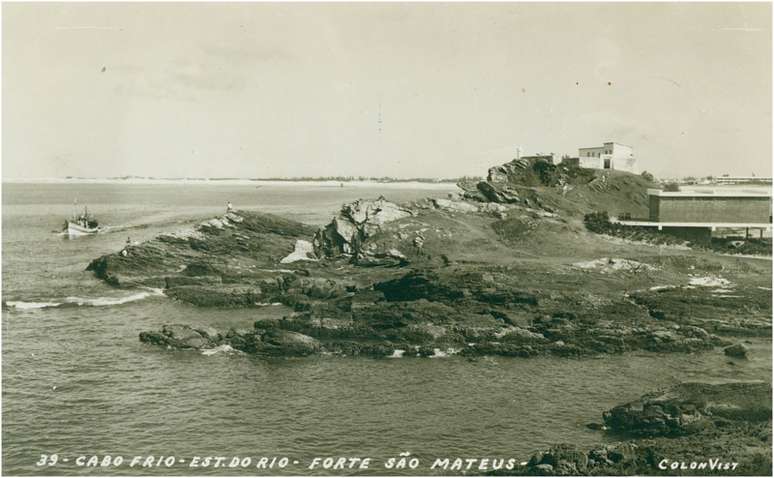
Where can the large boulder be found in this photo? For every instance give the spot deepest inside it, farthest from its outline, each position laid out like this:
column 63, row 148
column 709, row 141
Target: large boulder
column 355, row 223
column 287, row 344
column 454, row 206
column 739, row 350
column 182, row 337
column 498, row 193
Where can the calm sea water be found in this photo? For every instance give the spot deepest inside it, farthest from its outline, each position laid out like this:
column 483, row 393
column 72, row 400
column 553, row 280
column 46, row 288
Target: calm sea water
column 77, row 381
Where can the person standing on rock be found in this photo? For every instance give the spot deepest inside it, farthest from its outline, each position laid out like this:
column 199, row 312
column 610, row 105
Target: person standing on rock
column 229, row 207
column 125, row 250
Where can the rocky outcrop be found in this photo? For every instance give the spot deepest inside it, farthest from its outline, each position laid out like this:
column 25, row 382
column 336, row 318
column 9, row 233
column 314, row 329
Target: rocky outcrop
column 690, row 408
column 743, row 312
column 454, row 206
column 430, row 285
column 508, row 271
column 467, row 312
column 263, row 340
column 286, row 343
column 690, row 423
column 179, row 336
column 737, row 351
column 443, row 276
column 209, row 252
column 354, row 224
column 515, row 182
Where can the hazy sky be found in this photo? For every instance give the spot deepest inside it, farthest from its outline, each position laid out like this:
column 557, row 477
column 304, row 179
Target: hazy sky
column 256, row 90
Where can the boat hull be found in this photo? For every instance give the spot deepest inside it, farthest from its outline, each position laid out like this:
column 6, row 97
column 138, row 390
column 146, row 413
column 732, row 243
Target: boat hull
column 74, row 229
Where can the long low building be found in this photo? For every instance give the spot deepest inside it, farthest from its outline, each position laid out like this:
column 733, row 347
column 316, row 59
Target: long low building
column 740, row 207
column 694, row 215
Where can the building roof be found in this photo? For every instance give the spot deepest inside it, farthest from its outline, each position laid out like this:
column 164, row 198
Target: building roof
column 606, row 143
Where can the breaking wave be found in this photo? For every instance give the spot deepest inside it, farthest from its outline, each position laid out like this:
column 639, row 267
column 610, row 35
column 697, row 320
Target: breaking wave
column 219, row 349
column 85, row 301
column 31, row 305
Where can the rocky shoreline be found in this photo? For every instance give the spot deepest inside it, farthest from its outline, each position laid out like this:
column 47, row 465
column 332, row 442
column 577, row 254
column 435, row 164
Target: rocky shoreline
column 505, row 268
column 689, row 429
column 383, row 285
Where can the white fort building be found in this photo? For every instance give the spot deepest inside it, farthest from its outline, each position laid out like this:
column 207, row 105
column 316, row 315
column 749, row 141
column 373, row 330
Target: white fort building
column 608, row 156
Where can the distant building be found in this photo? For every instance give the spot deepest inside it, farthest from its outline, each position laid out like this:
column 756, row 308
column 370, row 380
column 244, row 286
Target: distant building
column 694, row 215
column 610, row 155
column 743, row 180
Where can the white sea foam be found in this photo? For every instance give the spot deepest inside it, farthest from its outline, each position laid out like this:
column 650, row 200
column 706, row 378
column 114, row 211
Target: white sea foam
column 84, row 301
column 103, row 301
column 32, row 305
column 438, row 353
column 657, row 288
column 219, row 349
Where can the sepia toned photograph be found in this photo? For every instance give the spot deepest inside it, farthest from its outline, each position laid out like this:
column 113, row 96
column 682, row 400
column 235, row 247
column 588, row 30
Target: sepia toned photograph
column 381, row 239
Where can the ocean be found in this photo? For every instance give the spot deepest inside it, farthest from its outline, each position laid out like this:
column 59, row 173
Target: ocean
column 77, row 381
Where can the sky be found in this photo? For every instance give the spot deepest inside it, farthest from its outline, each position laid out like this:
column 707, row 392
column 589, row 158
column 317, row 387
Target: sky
column 379, row 89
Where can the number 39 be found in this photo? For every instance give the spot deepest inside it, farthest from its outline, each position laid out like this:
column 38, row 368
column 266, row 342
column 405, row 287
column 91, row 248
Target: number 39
column 47, row 460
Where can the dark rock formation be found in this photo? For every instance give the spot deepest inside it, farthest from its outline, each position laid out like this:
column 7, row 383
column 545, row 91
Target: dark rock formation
column 689, row 408
column 206, row 254
column 690, row 423
column 182, row 337
column 354, row 224
column 444, row 276
column 737, row 351
column 263, row 340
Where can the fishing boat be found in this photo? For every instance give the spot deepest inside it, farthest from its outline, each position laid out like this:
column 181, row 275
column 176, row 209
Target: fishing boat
column 82, row 224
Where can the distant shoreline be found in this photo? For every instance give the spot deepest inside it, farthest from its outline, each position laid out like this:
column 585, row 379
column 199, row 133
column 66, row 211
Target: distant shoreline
column 369, row 182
